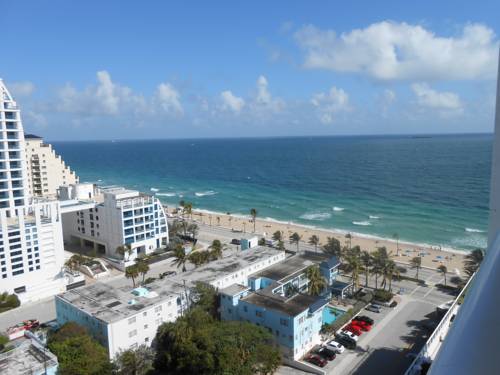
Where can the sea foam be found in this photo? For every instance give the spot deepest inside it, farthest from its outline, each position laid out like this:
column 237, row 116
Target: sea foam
column 154, row 189
column 205, row 193
column 362, row 223
column 338, row 209
column 319, row 216
column 373, row 217
column 473, row 230
column 166, row 194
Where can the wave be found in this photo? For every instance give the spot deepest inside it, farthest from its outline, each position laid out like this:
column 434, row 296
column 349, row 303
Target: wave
column 154, row 189
column 362, row 223
column 166, row 194
column 473, row 230
column 373, row 217
column 320, row 216
column 338, row 209
column 205, row 193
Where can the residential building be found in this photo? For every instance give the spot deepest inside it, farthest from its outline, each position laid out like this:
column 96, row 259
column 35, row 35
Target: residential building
column 46, row 170
column 123, row 318
column 111, row 217
column 277, row 299
column 31, row 243
column 29, row 357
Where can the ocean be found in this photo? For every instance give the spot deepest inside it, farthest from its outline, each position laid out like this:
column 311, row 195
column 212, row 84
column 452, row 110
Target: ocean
column 432, row 190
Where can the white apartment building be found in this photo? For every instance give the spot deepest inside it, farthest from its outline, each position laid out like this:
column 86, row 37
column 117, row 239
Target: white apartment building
column 119, row 216
column 124, row 318
column 31, row 242
column 46, row 170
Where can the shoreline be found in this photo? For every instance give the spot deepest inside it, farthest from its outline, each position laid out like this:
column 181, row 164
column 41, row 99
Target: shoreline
column 432, row 256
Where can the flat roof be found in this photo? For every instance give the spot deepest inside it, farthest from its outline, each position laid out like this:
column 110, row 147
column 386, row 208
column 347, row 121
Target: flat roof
column 292, row 265
column 234, row 289
column 28, row 357
column 292, row 307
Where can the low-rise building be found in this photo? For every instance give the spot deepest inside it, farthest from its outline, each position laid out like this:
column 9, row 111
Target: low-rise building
column 29, row 357
column 111, row 217
column 123, row 318
column 46, row 170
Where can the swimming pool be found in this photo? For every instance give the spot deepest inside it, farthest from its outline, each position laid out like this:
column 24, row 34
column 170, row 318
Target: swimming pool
column 330, row 314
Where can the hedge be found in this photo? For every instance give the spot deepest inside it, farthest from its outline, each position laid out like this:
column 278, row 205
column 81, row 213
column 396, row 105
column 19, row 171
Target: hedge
column 383, row 295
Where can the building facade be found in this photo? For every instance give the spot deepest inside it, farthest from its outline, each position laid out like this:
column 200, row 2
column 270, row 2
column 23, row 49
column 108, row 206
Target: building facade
column 31, row 242
column 46, row 170
column 117, row 217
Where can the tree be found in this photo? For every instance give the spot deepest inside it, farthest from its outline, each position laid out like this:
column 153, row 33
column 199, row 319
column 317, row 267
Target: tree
column 281, row 245
column 188, row 208
column 193, row 230
column 396, row 237
column 444, row 270
column 8, row 301
column 295, row 238
column 367, row 261
column 124, row 250
column 198, row 257
column 253, row 213
column 138, row 361
column 278, row 236
column 316, row 280
column 180, row 257
column 348, row 239
column 77, row 352
column 380, row 259
column 142, row 268
column 314, row 240
column 390, row 270
column 216, row 249
column 332, row 247
column 207, row 298
column 354, row 264
column 472, row 261
column 132, row 272
column 417, row 264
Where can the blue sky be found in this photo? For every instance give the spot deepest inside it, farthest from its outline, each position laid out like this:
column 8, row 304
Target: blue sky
column 129, row 69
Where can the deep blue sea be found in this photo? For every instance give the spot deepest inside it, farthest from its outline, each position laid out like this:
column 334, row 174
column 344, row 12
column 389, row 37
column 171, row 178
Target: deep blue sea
column 428, row 190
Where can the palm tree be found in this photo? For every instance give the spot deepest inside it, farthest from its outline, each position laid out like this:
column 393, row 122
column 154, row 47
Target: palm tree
column 216, row 249
column 314, row 240
column 389, row 270
column 332, row 247
column 395, row 272
column 380, row 259
column 218, row 221
column 472, row 261
column 180, row 257
column 353, row 265
column 253, row 213
column 142, row 268
column 278, row 235
column 198, row 258
column 123, row 250
column 416, row 263
column 74, row 263
column 295, row 238
column 188, row 207
column 396, row 237
column 316, row 281
column 367, row 261
column 442, row 269
column 281, row 245
column 132, row 272
column 193, row 229
column 348, row 239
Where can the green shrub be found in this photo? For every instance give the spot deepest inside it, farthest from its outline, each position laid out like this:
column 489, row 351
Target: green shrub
column 149, row 280
column 8, row 301
column 383, row 295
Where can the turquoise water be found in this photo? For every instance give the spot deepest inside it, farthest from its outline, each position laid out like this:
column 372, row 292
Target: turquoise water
column 428, row 190
column 330, row 314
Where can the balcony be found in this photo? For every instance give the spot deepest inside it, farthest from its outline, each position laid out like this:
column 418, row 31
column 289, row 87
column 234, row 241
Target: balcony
column 8, row 105
column 10, row 115
column 11, row 126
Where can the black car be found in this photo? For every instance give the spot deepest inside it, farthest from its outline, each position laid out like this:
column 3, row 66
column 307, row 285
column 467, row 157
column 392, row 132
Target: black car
column 348, row 342
column 325, row 353
column 236, row 241
column 167, row 273
column 366, row 319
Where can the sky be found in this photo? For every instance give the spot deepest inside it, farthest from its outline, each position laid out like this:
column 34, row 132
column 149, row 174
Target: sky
column 186, row 69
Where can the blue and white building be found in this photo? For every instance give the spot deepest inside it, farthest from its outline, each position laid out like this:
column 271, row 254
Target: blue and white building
column 276, row 299
column 111, row 217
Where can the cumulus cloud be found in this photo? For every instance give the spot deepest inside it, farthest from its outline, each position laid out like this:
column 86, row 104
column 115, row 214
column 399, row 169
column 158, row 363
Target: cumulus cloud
column 444, row 102
column 231, row 102
column 20, row 89
column 329, row 104
column 168, row 98
column 35, row 119
column 263, row 98
column 400, row 51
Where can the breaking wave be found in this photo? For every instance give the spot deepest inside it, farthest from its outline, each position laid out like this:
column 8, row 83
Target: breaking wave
column 205, row 193
column 473, row 230
column 319, row 216
column 338, row 209
column 362, row 223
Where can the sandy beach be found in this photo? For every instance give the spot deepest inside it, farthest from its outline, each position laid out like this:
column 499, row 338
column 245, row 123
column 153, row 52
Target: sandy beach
column 432, row 256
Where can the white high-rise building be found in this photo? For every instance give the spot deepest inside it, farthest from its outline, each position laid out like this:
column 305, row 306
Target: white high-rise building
column 31, row 243
column 46, row 170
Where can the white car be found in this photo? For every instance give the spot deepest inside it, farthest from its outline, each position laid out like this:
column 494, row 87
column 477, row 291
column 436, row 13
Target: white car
column 335, row 346
column 350, row 334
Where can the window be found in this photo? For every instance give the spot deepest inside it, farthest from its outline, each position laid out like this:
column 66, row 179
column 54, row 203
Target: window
column 258, row 313
column 145, row 326
column 284, row 322
column 158, row 309
column 245, row 308
column 132, row 320
column 132, row 333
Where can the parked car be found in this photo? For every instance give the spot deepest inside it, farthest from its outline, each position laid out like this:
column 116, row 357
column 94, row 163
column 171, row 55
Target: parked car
column 393, row 304
column 335, row 346
column 346, row 341
column 167, row 273
column 236, row 241
column 362, row 325
column 349, row 334
column 325, row 353
column 354, row 330
column 316, row 360
column 374, row 308
column 364, row 318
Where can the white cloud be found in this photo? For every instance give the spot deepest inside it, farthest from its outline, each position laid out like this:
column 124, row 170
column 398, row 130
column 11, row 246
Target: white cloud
column 231, row 102
column 330, row 103
column 19, row 89
column 444, row 102
column 34, row 119
column 400, row 51
column 168, row 98
column 264, row 100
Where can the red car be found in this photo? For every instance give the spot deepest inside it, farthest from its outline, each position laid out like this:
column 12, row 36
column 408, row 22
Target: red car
column 354, row 329
column 363, row 325
column 316, row 360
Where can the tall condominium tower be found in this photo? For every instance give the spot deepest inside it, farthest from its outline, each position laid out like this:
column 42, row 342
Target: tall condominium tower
column 31, row 242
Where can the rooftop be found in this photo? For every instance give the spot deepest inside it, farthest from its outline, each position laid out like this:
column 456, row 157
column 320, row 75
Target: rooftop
column 234, row 289
column 28, row 357
column 291, row 307
column 292, row 266
column 32, row 136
